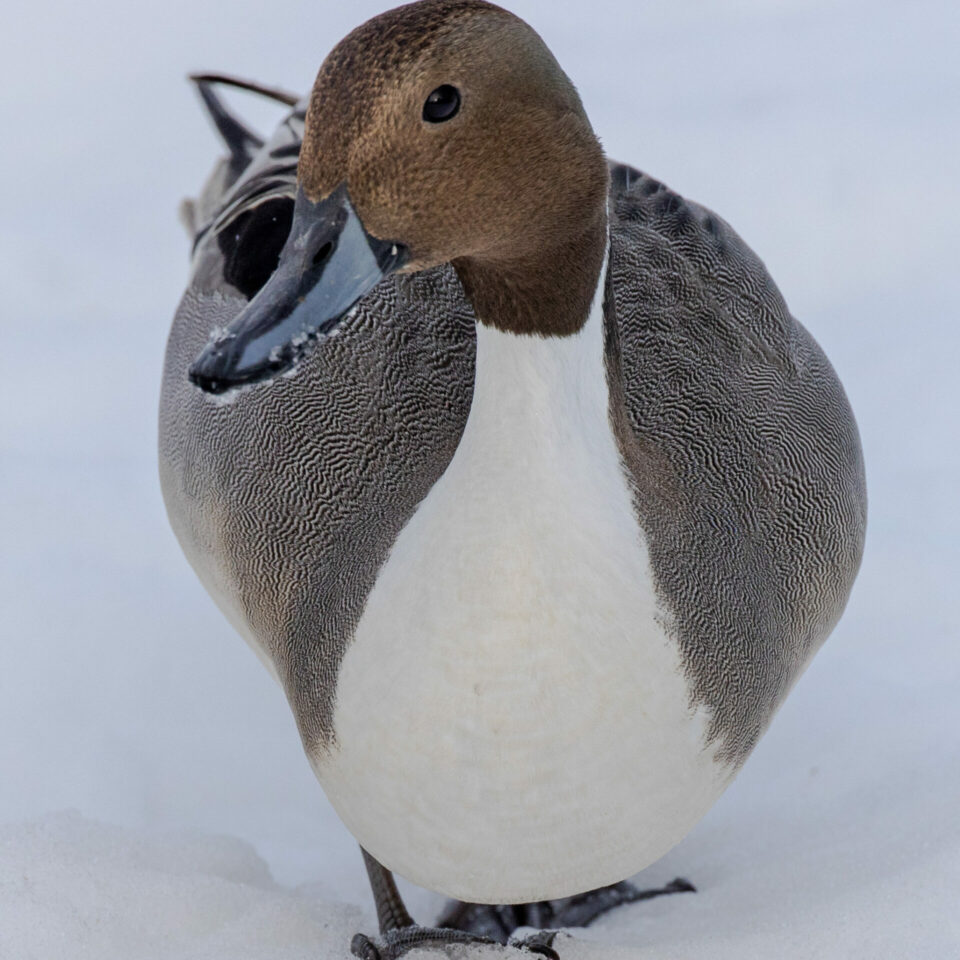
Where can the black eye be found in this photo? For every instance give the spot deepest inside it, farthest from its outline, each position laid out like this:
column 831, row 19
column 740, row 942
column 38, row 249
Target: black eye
column 442, row 104
column 251, row 244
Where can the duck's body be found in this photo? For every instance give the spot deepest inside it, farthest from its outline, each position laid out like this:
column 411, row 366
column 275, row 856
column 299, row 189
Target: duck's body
column 514, row 652
column 533, row 597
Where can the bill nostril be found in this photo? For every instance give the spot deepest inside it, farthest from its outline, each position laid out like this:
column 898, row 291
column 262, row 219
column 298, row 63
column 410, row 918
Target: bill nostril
column 323, row 254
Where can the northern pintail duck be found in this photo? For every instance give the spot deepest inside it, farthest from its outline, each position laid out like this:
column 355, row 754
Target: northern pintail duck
column 509, row 462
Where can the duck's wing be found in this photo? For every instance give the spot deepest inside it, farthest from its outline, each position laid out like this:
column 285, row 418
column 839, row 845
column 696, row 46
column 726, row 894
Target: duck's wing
column 742, row 449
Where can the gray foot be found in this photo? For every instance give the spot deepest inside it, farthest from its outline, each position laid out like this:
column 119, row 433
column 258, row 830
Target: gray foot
column 498, row 922
column 395, row 943
column 466, row 923
column 582, row 910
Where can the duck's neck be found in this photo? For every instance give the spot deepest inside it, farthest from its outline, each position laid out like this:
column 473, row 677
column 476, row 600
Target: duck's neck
column 539, row 424
column 547, row 292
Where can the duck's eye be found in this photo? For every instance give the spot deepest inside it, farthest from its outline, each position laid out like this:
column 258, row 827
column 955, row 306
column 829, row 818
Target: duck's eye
column 251, row 244
column 442, row 104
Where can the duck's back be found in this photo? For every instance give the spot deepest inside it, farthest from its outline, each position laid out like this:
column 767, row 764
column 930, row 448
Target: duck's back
column 742, row 450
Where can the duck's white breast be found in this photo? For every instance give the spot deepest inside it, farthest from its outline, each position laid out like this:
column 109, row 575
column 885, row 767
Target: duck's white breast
column 512, row 722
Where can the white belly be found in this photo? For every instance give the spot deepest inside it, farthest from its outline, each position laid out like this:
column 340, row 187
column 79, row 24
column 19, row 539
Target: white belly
column 512, row 722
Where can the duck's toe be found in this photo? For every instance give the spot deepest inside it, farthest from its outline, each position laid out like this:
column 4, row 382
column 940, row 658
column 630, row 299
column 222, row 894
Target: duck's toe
column 396, row 943
column 498, row 922
column 582, row 910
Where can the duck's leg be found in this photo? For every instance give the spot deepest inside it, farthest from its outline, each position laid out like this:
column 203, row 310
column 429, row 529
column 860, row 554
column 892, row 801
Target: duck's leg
column 499, row 922
column 398, row 932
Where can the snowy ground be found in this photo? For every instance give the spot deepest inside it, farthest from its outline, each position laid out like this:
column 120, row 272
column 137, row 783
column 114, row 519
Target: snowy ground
column 154, row 801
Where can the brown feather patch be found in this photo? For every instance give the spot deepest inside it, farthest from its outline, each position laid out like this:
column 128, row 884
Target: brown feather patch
column 511, row 190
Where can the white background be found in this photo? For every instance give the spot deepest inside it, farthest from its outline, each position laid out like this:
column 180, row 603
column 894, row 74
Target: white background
column 827, row 133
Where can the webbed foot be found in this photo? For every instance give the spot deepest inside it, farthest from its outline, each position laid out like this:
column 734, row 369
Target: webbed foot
column 393, row 944
column 582, row 910
column 499, row 922
column 399, row 934
column 496, row 921
column 469, row 923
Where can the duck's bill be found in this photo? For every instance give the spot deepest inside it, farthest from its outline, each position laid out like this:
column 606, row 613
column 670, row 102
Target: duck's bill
column 327, row 264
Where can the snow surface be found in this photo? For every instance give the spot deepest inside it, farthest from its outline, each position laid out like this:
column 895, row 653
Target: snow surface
column 827, row 132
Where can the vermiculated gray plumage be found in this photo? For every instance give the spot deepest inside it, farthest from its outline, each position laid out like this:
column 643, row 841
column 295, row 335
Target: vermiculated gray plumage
column 297, row 490
column 743, row 451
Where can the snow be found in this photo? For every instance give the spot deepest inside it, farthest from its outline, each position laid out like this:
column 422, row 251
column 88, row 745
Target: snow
column 827, row 133
column 79, row 889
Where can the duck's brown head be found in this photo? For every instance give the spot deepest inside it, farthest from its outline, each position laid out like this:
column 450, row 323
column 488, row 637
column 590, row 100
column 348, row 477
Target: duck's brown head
column 441, row 131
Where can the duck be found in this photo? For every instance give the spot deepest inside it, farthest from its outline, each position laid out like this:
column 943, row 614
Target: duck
column 511, row 465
